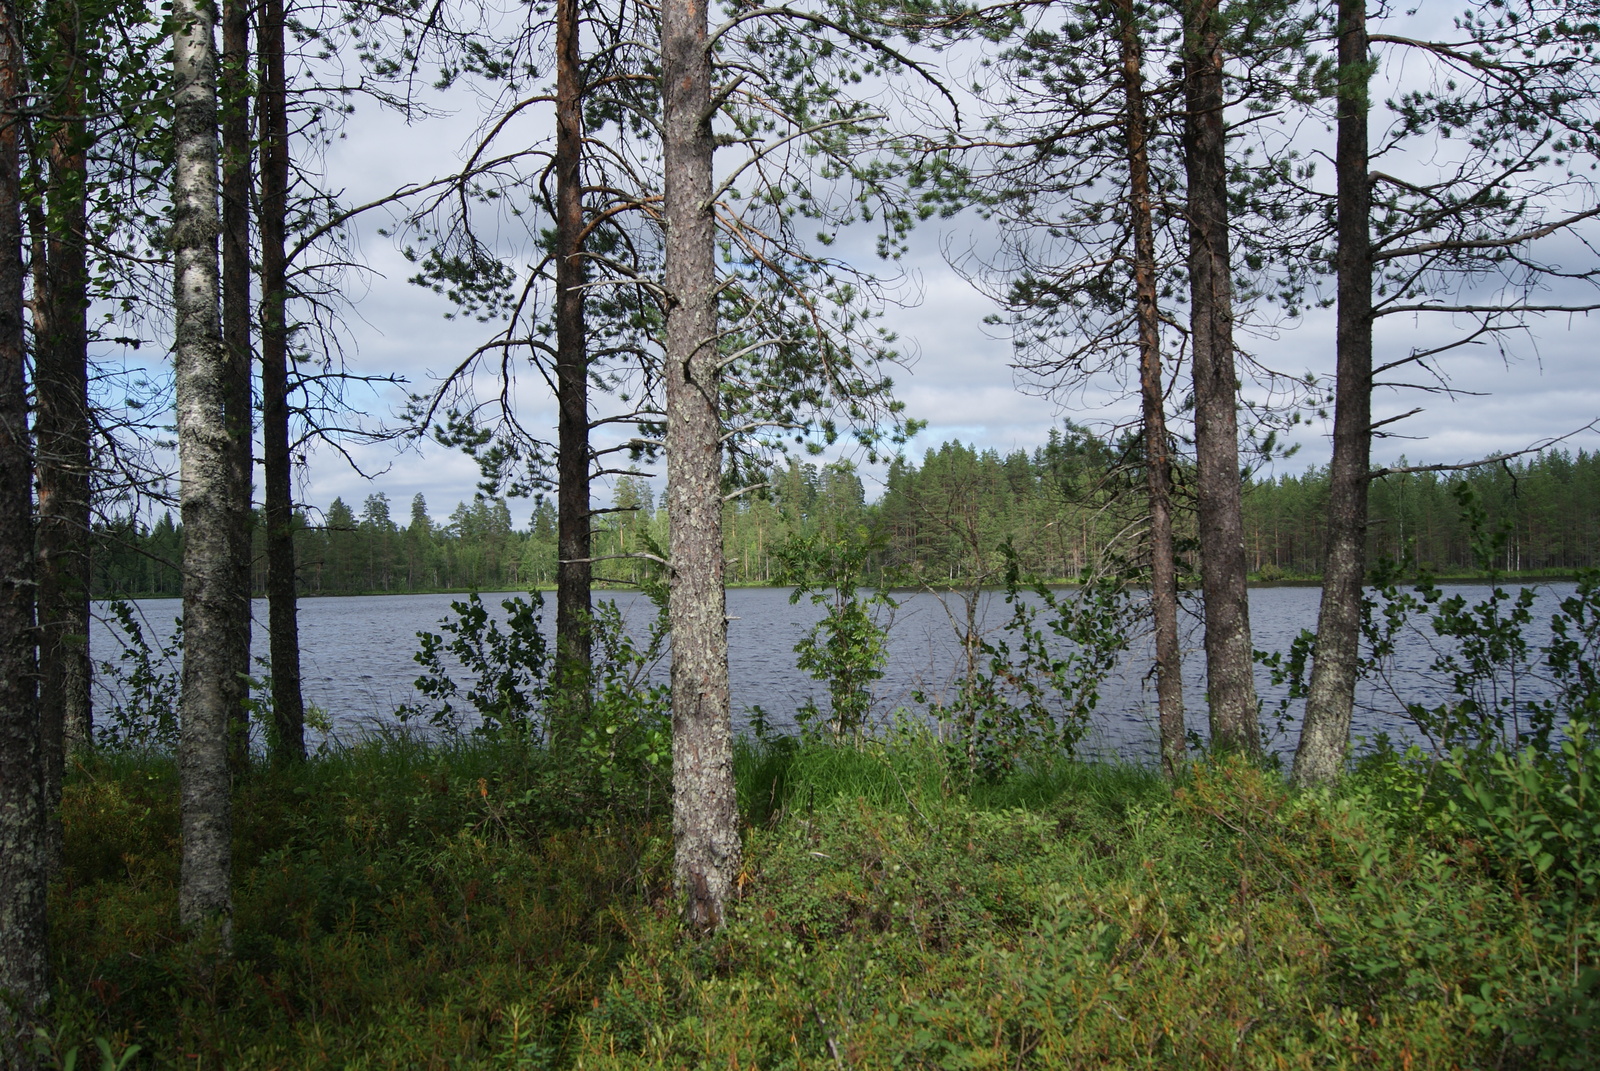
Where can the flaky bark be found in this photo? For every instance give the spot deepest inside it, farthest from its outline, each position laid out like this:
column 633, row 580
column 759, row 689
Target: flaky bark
column 24, row 963
column 236, row 153
column 1325, row 735
column 574, row 573
column 288, row 742
column 704, row 819
column 1158, row 459
column 61, row 420
column 211, row 597
column 1230, row 680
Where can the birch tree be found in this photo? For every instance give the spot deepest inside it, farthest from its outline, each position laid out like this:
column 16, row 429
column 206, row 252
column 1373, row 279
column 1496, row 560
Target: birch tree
column 212, row 599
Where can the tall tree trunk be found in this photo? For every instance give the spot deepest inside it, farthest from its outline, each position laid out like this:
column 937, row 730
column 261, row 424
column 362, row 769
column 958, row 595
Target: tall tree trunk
column 1325, row 736
column 24, row 960
column 1158, row 460
column 1230, row 680
column 211, row 596
column 704, row 819
column 574, row 573
column 236, row 152
column 61, row 428
column 288, row 741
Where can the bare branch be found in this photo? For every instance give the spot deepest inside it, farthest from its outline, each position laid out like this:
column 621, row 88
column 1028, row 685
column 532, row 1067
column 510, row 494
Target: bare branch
column 1542, row 445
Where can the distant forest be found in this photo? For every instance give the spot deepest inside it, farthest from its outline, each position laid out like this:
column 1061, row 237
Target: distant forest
column 1072, row 502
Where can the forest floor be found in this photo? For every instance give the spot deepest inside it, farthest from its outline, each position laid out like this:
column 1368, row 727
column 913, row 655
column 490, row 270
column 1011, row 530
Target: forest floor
column 407, row 905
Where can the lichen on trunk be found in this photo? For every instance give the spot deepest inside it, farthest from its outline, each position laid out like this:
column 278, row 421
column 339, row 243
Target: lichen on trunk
column 704, row 820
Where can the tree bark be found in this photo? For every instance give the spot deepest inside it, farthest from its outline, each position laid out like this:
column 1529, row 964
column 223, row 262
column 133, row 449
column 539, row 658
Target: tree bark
column 704, row 819
column 236, row 153
column 574, row 573
column 288, row 743
column 61, row 422
column 1325, row 735
column 1229, row 657
column 206, row 487
column 24, row 961
column 1158, row 460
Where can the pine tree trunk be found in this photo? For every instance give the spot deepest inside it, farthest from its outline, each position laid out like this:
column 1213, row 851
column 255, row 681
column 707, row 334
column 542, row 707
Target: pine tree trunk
column 1158, row 460
column 211, row 597
column 236, row 153
column 1230, row 680
column 1325, row 735
column 574, row 573
column 288, row 741
column 704, row 819
column 61, row 423
column 24, row 959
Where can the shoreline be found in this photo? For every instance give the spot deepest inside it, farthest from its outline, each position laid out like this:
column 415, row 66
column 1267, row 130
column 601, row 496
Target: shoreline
column 1559, row 576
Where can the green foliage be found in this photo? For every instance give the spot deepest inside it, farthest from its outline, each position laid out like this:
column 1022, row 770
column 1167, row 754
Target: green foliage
column 846, row 649
column 889, row 921
column 143, row 685
column 47, row 1049
column 624, row 746
column 1546, row 505
column 1537, row 812
column 508, row 667
column 1056, row 503
column 398, row 905
column 1030, row 691
column 454, row 905
column 627, row 739
column 1510, row 788
column 1505, row 691
column 1494, row 671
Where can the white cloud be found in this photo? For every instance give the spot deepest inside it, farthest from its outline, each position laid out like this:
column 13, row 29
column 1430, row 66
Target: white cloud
column 959, row 381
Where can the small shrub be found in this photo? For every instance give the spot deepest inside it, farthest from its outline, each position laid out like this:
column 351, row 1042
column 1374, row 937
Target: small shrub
column 143, row 686
column 1038, row 683
column 846, row 649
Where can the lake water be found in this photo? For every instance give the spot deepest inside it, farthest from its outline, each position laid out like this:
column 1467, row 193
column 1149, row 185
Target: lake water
column 357, row 656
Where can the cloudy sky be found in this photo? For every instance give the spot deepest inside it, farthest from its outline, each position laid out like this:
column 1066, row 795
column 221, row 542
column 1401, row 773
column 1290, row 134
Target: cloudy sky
column 958, row 380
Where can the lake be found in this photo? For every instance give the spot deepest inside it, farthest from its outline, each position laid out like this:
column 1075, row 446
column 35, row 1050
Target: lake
column 357, row 656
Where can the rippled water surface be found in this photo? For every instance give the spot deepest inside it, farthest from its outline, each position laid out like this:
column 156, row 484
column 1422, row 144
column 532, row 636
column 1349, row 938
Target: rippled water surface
column 357, row 652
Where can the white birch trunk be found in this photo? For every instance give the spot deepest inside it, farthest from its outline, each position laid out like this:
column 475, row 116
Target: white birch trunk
column 205, row 894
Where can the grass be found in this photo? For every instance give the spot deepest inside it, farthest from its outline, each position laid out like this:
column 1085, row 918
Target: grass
column 407, row 905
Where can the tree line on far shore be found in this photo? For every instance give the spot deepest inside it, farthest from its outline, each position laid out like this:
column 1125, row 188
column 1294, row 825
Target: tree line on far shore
column 1063, row 507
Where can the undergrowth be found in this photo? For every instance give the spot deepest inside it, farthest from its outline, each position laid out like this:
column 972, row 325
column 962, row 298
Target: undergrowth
column 397, row 905
column 464, row 906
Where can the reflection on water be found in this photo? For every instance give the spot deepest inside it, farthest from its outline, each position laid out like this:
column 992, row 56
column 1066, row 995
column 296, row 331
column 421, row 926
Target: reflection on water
column 357, row 665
